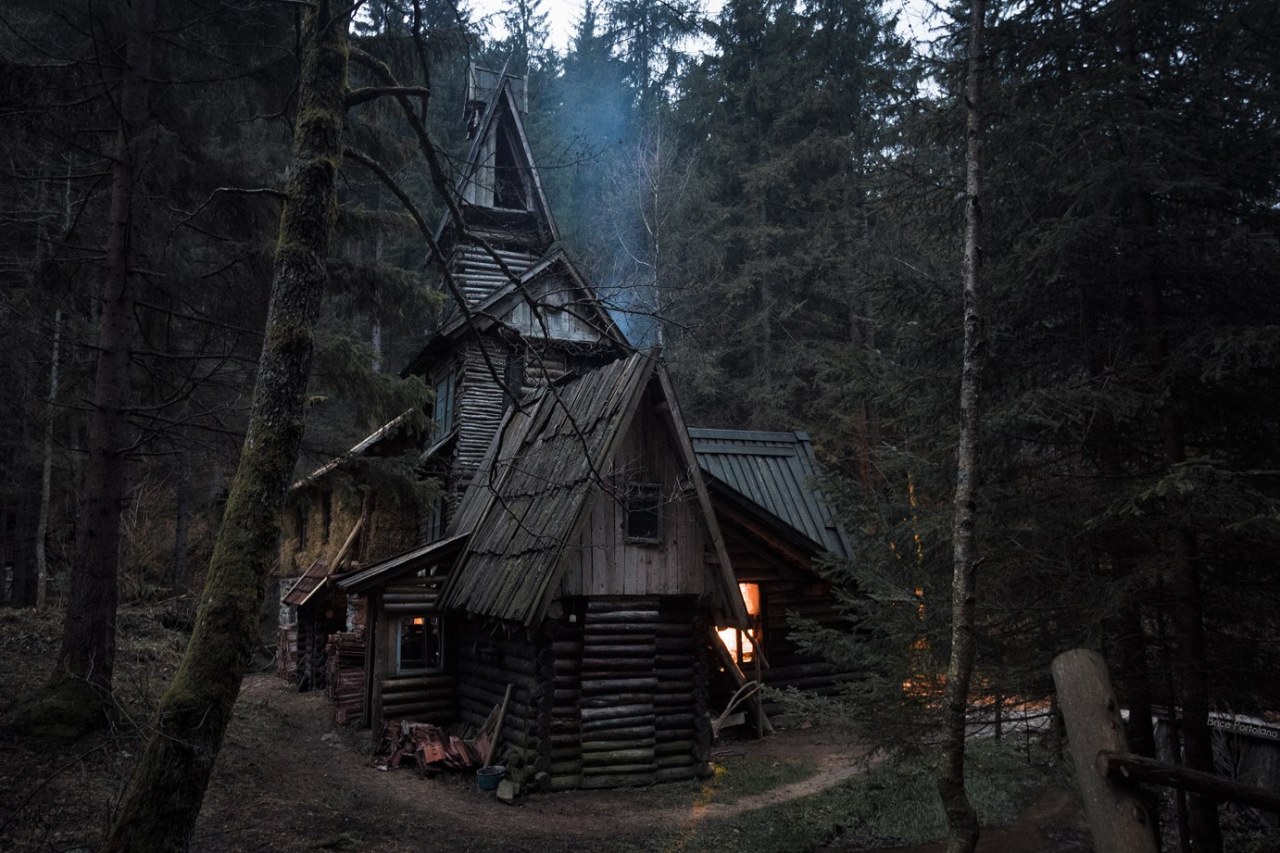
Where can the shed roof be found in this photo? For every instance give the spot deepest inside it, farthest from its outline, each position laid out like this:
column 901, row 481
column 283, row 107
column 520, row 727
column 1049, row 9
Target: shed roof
column 526, row 502
column 778, row 473
column 439, row 553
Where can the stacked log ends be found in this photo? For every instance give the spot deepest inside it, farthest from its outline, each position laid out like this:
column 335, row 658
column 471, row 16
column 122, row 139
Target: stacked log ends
column 344, row 654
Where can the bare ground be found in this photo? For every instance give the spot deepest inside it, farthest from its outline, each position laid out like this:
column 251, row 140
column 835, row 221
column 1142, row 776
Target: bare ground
column 288, row 780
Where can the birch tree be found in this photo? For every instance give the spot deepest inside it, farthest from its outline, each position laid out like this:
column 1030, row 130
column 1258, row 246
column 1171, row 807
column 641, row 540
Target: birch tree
column 962, row 819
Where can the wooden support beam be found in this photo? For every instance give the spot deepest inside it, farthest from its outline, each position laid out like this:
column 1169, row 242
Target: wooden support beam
column 1137, row 768
column 1117, row 814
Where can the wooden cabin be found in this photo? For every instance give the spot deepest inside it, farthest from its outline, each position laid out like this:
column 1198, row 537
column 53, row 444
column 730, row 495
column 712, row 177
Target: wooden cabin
column 576, row 553
column 585, row 569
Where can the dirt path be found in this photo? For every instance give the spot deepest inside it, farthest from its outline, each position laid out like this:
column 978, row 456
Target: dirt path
column 322, row 793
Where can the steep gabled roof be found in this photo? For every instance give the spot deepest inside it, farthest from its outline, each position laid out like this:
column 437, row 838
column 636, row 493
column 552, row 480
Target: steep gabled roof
column 575, row 298
column 531, row 495
column 775, row 472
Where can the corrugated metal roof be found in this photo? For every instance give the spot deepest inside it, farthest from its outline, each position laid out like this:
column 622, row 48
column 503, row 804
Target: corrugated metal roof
column 778, row 473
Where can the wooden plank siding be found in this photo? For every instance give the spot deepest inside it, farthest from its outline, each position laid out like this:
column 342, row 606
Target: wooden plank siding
column 605, row 563
column 481, row 405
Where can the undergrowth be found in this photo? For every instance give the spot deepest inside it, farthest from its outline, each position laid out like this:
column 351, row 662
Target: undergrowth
column 892, row 804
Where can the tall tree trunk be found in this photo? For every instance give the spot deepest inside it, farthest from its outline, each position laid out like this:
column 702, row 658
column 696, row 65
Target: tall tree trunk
column 182, row 522
column 164, row 798
column 962, row 820
column 46, row 474
column 79, row 690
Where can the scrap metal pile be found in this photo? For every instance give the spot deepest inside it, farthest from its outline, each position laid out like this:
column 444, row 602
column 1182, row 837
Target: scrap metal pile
column 430, row 747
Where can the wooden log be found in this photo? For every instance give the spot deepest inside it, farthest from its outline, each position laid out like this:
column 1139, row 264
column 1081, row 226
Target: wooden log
column 617, row 780
column 426, row 682
column 1116, row 811
column 565, row 768
column 619, row 685
column 565, row 783
column 672, row 735
column 685, row 744
column 603, row 745
column 596, row 712
column 676, row 774
column 594, row 758
column 624, row 733
column 497, row 729
column 614, row 663
column 497, row 676
column 1118, row 766
column 425, row 713
column 618, row 769
column 676, row 759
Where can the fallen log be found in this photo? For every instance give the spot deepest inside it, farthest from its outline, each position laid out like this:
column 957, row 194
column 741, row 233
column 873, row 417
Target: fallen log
column 1136, row 768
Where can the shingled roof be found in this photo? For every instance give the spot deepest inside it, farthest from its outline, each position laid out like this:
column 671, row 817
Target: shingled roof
column 777, row 473
column 527, row 500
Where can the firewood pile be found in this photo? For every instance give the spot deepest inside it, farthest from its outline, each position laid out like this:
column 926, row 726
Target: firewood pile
column 344, row 654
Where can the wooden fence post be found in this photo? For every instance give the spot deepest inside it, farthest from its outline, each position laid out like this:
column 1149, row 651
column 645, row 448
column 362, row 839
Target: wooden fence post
column 1115, row 809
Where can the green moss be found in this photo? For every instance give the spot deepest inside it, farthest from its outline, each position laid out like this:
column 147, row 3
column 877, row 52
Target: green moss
column 65, row 708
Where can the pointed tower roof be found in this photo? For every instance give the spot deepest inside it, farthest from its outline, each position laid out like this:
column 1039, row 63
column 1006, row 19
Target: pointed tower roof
column 499, row 190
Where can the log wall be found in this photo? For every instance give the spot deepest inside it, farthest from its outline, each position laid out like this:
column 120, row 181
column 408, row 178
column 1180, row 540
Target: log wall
column 490, row 657
column 423, row 697
column 786, row 588
column 630, row 695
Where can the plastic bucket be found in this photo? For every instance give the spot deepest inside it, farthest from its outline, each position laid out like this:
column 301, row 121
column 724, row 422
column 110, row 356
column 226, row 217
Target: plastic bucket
column 487, row 778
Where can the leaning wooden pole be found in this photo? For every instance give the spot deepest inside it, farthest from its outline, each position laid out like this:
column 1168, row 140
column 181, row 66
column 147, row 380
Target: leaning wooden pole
column 962, row 819
column 1116, row 809
column 164, row 798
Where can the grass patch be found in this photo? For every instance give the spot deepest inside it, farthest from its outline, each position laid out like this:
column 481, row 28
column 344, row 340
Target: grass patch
column 748, row 775
column 889, row 805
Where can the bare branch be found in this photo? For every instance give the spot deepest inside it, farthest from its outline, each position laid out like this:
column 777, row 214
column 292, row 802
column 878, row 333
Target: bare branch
column 359, row 96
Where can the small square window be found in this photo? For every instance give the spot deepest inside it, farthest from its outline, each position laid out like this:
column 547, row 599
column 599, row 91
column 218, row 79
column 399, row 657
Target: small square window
column 644, row 512
column 420, row 645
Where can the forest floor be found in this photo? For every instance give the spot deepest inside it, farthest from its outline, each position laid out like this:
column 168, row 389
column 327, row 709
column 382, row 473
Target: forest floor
column 289, row 780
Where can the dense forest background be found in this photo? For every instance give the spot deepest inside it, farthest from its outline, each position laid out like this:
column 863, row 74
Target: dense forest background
column 775, row 196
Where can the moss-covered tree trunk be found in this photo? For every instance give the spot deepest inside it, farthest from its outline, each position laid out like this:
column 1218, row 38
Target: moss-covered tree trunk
column 962, row 819
column 164, row 798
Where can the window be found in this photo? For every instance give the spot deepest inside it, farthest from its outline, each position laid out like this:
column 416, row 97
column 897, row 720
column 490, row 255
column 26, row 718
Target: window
column 442, row 411
column 509, row 189
column 739, row 643
column 644, row 512
column 420, row 645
